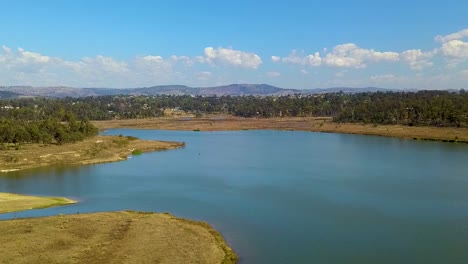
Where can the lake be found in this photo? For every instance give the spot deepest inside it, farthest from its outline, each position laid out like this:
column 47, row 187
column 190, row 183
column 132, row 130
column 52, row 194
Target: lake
column 285, row 196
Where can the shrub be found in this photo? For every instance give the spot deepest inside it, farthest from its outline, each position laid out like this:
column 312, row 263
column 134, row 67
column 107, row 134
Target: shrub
column 137, row 152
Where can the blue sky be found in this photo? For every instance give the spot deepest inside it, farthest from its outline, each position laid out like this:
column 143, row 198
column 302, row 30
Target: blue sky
column 291, row 44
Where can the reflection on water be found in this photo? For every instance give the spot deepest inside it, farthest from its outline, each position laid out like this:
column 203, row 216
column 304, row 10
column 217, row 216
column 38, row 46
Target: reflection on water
column 285, row 197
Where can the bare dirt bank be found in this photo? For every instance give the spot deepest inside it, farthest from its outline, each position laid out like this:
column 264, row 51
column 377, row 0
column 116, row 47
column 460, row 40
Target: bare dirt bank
column 214, row 123
column 97, row 149
column 115, row 237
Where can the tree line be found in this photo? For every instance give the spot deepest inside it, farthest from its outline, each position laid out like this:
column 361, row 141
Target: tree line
column 62, row 127
column 434, row 108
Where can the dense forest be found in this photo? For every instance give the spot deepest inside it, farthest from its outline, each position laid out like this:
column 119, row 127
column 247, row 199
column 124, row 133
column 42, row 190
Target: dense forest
column 434, row 108
column 61, row 127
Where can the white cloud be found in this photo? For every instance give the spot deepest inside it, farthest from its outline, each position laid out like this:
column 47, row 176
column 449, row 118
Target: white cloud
column 26, row 56
column 232, row 57
column 345, row 55
column 184, row 59
column 6, row 49
column 314, row 59
column 454, row 36
column 25, row 61
column 273, row 74
column 22, row 67
column 455, row 49
column 350, row 55
column 154, row 66
column 295, row 58
column 275, row 58
column 417, row 59
column 108, row 64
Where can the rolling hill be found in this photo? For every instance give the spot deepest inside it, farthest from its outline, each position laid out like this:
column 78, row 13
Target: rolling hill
column 232, row 90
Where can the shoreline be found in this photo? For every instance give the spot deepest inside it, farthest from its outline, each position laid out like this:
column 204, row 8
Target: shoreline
column 309, row 124
column 94, row 150
column 122, row 236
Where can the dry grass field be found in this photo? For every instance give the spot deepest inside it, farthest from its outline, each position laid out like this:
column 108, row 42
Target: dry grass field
column 10, row 202
column 214, row 123
column 97, row 149
column 115, row 237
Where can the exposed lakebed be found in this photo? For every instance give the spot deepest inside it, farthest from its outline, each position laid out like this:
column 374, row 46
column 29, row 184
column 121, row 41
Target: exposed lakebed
column 283, row 196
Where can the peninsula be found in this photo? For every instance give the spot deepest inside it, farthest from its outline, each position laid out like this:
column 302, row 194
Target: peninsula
column 10, row 202
column 92, row 150
column 112, row 237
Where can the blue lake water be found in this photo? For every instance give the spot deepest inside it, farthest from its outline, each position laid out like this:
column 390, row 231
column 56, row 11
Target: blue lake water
column 285, row 196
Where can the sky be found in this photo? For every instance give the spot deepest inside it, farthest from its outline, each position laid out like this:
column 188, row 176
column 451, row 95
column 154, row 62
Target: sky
column 398, row 44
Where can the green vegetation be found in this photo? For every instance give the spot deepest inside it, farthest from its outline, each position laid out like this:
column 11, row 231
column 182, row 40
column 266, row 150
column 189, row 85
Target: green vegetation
column 432, row 108
column 137, row 152
column 62, row 127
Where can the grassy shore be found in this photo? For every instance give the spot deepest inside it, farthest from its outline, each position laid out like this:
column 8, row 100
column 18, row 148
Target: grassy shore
column 10, row 202
column 97, row 149
column 115, row 237
column 215, row 123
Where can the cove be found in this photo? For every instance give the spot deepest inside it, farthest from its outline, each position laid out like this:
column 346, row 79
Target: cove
column 285, row 196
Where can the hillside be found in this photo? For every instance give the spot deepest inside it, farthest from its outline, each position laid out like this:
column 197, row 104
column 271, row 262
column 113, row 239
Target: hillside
column 232, row 89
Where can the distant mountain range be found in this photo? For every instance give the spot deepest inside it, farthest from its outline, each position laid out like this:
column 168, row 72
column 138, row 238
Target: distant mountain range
column 232, row 89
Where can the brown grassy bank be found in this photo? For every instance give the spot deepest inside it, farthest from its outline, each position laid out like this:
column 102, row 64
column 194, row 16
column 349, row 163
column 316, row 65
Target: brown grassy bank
column 116, row 237
column 97, row 149
column 10, row 202
column 449, row 134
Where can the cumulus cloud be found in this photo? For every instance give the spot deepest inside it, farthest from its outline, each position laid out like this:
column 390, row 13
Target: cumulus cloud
column 22, row 61
column 183, row 59
column 299, row 58
column 232, row 57
column 31, row 68
column 296, row 58
column 275, row 58
column 26, row 57
column 345, row 55
column 417, row 59
column 455, row 49
column 107, row 64
column 454, row 36
column 350, row 55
